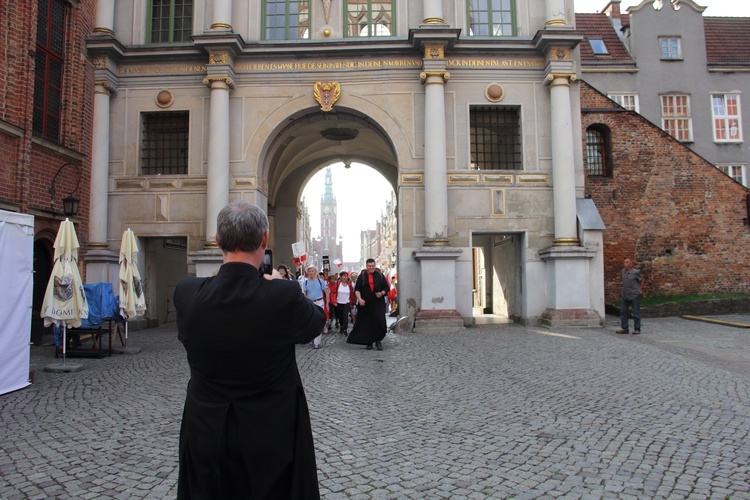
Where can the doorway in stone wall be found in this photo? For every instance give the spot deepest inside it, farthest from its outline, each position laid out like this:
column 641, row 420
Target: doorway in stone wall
column 165, row 265
column 496, row 280
column 43, row 264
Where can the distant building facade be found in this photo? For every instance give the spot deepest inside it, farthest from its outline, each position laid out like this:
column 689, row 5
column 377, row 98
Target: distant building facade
column 381, row 243
column 684, row 72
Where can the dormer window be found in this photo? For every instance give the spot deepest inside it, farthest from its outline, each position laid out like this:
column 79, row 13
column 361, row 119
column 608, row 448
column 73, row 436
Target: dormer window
column 671, row 48
column 598, row 46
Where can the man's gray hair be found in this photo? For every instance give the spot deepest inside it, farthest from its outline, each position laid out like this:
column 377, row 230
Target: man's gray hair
column 240, row 227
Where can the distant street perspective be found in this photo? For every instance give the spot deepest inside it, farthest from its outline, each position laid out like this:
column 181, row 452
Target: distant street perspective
column 492, row 412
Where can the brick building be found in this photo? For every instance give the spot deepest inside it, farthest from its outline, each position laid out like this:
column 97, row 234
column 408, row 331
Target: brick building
column 684, row 221
column 46, row 97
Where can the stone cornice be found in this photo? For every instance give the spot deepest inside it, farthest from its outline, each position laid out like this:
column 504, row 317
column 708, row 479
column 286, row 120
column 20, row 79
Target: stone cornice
column 10, row 129
column 548, row 39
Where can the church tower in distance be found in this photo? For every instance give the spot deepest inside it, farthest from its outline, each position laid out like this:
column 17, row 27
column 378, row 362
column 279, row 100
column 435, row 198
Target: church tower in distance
column 328, row 222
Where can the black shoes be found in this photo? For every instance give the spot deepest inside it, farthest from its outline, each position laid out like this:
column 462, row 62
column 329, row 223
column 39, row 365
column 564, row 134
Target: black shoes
column 369, row 347
column 378, row 345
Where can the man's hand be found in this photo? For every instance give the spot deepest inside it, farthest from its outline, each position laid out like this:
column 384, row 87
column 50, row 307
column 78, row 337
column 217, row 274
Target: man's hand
column 275, row 275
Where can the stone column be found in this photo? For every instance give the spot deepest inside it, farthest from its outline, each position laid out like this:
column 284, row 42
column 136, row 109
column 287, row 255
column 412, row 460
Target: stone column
column 217, row 190
column 99, row 166
column 433, row 12
column 222, row 15
column 435, row 163
column 105, row 17
column 563, row 161
column 555, row 13
column 437, row 260
column 102, row 264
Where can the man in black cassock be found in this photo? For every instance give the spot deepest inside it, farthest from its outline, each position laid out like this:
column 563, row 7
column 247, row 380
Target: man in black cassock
column 370, row 289
column 246, row 427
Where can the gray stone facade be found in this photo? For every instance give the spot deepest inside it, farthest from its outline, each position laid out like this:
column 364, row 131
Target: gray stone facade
column 271, row 139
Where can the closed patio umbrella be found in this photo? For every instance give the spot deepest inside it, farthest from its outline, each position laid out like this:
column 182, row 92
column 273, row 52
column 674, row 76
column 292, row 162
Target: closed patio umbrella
column 64, row 301
column 132, row 299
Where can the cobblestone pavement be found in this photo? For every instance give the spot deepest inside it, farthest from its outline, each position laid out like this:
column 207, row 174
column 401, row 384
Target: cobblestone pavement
column 501, row 412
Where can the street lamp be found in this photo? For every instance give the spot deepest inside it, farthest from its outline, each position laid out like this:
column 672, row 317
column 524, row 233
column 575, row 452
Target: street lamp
column 70, row 202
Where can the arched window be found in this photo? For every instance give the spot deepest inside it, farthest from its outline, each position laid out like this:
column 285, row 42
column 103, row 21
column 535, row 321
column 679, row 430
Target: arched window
column 598, row 155
column 369, row 18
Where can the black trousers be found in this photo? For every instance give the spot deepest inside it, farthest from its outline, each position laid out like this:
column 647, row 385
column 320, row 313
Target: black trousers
column 342, row 310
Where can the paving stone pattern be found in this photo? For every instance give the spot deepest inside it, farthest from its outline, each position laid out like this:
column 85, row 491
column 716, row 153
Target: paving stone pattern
column 492, row 412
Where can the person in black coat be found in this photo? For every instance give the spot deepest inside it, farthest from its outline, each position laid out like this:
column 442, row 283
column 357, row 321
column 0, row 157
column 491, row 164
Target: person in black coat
column 246, row 429
column 370, row 289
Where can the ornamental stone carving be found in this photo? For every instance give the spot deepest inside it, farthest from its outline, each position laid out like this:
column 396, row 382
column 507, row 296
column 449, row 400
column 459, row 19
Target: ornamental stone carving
column 326, row 94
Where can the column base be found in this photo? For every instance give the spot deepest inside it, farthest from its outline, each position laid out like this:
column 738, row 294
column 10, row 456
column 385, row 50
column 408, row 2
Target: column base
column 438, row 321
column 585, row 318
column 102, row 266
column 436, row 242
column 207, row 262
column 567, row 242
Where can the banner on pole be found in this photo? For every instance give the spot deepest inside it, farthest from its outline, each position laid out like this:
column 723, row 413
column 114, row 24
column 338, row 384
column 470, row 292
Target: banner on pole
column 298, row 252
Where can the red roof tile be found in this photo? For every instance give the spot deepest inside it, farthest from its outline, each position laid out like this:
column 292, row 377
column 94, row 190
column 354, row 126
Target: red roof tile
column 727, row 39
column 600, row 26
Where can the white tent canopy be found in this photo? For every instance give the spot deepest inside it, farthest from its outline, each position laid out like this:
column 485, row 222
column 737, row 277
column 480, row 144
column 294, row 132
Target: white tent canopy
column 16, row 296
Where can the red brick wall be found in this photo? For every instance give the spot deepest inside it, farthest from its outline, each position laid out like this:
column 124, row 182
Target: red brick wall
column 28, row 165
column 681, row 219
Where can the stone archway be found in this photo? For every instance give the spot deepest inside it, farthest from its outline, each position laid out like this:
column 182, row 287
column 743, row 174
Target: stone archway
column 43, row 264
column 307, row 142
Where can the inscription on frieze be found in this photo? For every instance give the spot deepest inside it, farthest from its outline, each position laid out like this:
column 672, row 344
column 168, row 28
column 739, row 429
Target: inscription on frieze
column 294, row 66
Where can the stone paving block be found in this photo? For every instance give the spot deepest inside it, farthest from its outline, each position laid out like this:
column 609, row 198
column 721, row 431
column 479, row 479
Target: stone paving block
column 492, row 412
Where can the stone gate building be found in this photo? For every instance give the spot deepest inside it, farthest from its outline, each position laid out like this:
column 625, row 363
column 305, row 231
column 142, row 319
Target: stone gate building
column 469, row 108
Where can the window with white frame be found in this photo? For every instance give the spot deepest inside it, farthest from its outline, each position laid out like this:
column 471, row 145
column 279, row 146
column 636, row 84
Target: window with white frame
column 725, row 109
column 671, row 47
column 736, row 172
column 675, row 116
column 598, row 47
column 627, row 101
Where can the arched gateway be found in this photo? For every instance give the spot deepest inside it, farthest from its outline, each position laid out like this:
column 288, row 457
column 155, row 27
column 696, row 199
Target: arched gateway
column 307, row 140
column 475, row 123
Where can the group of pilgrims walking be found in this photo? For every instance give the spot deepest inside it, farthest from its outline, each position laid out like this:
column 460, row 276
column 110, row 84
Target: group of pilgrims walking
column 361, row 297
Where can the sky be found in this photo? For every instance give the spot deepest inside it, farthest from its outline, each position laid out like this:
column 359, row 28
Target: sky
column 354, row 216
column 736, row 8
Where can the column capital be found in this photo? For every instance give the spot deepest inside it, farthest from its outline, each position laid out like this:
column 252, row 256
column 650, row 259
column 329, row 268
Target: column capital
column 104, row 87
column 210, row 80
column 555, row 79
column 434, row 76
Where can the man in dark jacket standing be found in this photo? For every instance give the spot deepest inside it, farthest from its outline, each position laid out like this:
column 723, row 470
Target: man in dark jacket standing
column 632, row 281
column 246, row 427
column 370, row 289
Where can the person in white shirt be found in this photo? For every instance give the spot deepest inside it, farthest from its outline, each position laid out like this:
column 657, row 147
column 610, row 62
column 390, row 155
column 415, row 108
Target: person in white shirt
column 344, row 300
